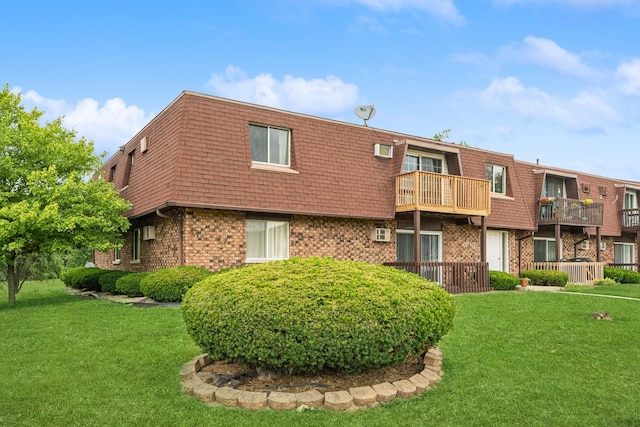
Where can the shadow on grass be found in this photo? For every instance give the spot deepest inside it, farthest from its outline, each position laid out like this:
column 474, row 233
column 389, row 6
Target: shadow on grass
column 37, row 298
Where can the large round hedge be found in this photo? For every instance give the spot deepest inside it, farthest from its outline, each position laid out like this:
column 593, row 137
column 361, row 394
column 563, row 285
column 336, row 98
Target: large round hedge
column 307, row 315
column 170, row 284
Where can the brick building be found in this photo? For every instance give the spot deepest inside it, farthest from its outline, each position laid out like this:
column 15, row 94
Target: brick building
column 219, row 183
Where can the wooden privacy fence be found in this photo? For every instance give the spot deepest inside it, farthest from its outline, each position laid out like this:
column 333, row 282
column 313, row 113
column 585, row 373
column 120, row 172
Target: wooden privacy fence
column 579, row 272
column 455, row 277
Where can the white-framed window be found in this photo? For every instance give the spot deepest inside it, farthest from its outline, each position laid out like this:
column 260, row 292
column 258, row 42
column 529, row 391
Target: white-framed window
column 497, row 175
column 544, row 249
column 267, row 240
column 623, row 253
column 117, row 254
column 270, row 145
column 135, row 246
column 416, row 161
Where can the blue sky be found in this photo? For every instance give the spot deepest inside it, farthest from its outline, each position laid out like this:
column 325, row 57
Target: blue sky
column 555, row 80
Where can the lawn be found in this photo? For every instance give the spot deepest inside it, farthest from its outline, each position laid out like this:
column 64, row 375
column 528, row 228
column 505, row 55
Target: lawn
column 512, row 358
column 626, row 290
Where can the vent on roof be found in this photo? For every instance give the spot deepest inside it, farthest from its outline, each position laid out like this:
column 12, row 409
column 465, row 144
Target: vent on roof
column 383, row 150
column 149, row 232
column 381, row 235
column 144, row 146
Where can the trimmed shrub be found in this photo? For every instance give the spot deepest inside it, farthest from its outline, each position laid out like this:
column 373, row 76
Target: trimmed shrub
column 108, row 280
column 87, row 278
column 605, row 282
column 170, row 284
column 501, row 281
column 308, row 315
column 546, row 277
column 67, row 275
column 622, row 275
column 129, row 285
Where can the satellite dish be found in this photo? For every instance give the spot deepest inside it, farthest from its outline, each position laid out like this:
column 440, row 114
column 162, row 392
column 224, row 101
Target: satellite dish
column 365, row 112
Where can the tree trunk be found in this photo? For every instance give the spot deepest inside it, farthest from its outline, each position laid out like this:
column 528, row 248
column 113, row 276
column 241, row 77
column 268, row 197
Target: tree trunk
column 13, row 281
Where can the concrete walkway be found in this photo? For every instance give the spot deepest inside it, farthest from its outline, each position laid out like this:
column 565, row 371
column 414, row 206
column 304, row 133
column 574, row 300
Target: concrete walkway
column 536, row 288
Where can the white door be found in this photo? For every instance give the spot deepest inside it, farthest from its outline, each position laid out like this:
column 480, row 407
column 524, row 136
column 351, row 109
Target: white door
column 497, row 251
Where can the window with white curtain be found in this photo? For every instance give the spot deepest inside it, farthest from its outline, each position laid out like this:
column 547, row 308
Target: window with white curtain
column 430, row 247
column 270, row 145
column 623, row 253
column 267, row 240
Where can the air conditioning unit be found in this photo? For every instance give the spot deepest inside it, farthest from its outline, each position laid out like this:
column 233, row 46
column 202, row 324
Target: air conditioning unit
column 584, row 245
column 381, row 235
column 149, row 232
column 144, row 146
column 382, row 150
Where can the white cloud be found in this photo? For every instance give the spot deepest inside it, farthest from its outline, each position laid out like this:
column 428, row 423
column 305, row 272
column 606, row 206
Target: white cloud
column 547, row 53
column 327, row 96
column 440, row 8
column 444, row 9
column 629, row 73
column 109, row 126
column 584, row 112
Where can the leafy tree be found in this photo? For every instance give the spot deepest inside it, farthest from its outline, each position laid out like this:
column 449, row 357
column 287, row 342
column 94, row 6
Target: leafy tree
column 48, row 202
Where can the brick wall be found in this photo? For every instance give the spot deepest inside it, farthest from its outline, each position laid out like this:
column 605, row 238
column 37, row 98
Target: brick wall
column 460, row 243
column 340, row 238
column 216, row 239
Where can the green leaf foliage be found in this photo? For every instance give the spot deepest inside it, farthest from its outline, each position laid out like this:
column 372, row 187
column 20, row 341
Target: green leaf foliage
column 546, row 277
column 308, row 315
column 108, row 280
column 129, row 285
column 87, row 278
column 48, row 200
column 501, row 281
column 621, row 275
column 170, row 284
column 67, row 275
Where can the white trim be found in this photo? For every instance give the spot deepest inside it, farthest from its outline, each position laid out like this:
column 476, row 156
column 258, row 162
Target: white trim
column 416, row 153
column 426, row 233
column 266, row 259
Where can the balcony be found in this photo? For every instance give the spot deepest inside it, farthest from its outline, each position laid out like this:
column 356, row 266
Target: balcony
column 570, row 212
column 631, row 219
column 449, row 194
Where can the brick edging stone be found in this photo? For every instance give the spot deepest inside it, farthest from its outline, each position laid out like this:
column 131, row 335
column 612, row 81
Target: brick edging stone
column 197, row 384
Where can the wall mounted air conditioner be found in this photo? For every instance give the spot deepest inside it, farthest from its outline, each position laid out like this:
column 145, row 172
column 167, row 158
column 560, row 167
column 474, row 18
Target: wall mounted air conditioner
column 382, row 150
column 381, row 235
column 144, row 145
column 149, row 232
column 584, row 245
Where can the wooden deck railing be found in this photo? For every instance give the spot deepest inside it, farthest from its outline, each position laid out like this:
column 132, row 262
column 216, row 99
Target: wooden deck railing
column 455, row 277
column 579, row 272
column 570, row 212
column 631, row 219
column 626, row 266
column 434, row 192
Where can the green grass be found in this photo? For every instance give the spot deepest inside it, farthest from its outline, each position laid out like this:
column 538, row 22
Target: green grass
column 626, row 290
column 512, row 358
